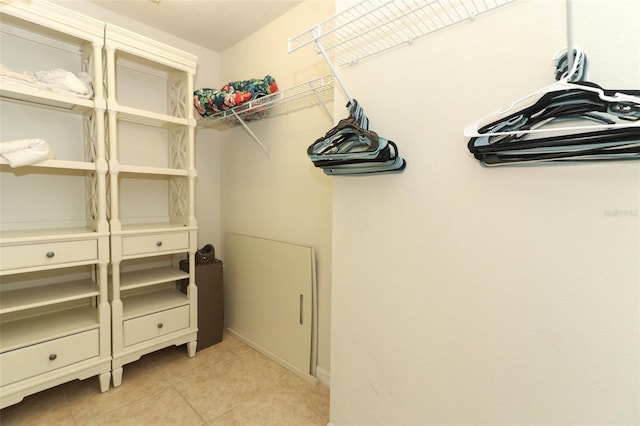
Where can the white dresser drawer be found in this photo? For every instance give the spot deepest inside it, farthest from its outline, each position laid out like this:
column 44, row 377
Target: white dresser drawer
column 150, row 326
column 37, row 359
column 155, row 243
column 44, row 254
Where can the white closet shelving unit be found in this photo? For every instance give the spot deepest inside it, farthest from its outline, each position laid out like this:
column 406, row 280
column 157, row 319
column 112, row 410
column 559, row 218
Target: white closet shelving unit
column 151, row 165
column 374, row 26
column 315, row 92
column 54, row 235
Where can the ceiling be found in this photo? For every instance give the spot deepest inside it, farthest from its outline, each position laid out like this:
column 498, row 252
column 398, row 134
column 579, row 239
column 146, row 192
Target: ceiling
column 214, row 24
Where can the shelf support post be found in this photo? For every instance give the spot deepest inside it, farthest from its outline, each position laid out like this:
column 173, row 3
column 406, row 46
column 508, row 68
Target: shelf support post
column 255, row 138
column 324, row 106
column 316, row 39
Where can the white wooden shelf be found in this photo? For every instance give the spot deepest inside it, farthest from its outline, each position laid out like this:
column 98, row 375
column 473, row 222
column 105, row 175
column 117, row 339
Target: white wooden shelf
column 147, row 303
column 48, row 234
column 150, row 118
column 32, row 95
column 305, row 95
column 28, row 298
column 374, row 26
column 145, row 170
column 40, row 328
column 137, row 279
column 152, row 162
column 58, row 164
column 146, row 228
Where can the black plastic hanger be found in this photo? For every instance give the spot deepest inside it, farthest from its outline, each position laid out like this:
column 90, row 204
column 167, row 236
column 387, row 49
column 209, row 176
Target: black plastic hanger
column 584, row 121
column 351, row 148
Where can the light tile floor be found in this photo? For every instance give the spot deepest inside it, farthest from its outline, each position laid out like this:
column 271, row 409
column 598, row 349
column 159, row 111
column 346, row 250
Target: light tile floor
column 225, row 384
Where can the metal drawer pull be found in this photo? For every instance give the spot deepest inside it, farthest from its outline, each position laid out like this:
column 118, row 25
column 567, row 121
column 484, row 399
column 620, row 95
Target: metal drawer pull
column 159, row 243
column 53, row 357
column 160, row 325
column 50, row 254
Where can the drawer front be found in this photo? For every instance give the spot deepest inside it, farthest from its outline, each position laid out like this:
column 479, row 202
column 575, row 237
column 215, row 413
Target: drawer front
column 155, row 243
column 37, row 359
column 155, row 325
column 44, row 254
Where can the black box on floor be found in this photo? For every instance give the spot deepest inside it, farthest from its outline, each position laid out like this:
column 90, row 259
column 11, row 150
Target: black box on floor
column 210, row 301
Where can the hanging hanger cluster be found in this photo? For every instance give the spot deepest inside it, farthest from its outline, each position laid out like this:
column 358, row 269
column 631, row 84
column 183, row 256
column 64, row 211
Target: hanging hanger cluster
column 570, row 120
column 350, row 148
column 361, row 31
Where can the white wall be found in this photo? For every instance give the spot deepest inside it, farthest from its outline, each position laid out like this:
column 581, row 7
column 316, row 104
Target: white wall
column 283, row 198
column 467, row 295
column 207, row 144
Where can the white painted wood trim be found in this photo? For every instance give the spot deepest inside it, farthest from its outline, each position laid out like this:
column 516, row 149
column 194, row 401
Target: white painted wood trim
column 150, row 49
column 52, row 16
column 302, row 374
column 324, row 377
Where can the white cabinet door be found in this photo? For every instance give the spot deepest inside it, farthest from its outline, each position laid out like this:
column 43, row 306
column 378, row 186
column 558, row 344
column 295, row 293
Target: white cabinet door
column 269, row 292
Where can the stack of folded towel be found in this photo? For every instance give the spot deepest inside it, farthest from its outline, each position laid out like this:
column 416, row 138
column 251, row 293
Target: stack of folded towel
column 23, row 152
column 57, row 80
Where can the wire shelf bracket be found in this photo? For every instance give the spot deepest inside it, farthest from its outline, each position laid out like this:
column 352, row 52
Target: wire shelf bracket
column 318, row 91
column 375, row 26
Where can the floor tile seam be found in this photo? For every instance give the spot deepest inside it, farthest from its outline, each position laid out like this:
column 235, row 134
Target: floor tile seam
column 210, row 421
column 186, row 400
column 250, row 397
column 154, row 391
column 315, row 407
column 201, row 415
column 254, row 396
column 148, row 395
column 69, row 406
column 159, row 373
column 82, row 421
column 20, row 415
column 158, row 362
column 227, row 371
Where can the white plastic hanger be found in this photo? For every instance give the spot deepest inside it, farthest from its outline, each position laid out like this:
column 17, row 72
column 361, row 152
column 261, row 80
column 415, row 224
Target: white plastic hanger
column 472, row 129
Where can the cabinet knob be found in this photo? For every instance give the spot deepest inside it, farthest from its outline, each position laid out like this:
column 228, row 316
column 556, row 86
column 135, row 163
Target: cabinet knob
column 50, row 254
column 159, row 243
column 52, row 357
column 160, row 325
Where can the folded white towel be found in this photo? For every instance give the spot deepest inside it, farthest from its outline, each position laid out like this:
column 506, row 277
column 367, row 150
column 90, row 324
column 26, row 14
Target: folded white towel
column 61, row 81
column 10, row 76
column 23, row 152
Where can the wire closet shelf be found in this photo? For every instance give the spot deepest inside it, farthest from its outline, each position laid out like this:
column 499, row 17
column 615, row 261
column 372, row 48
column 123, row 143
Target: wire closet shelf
column 374, row 26
column 318, row 91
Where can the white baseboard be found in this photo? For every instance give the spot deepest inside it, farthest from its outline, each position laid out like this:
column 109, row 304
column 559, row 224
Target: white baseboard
column 323, row 376
column 303, row 374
